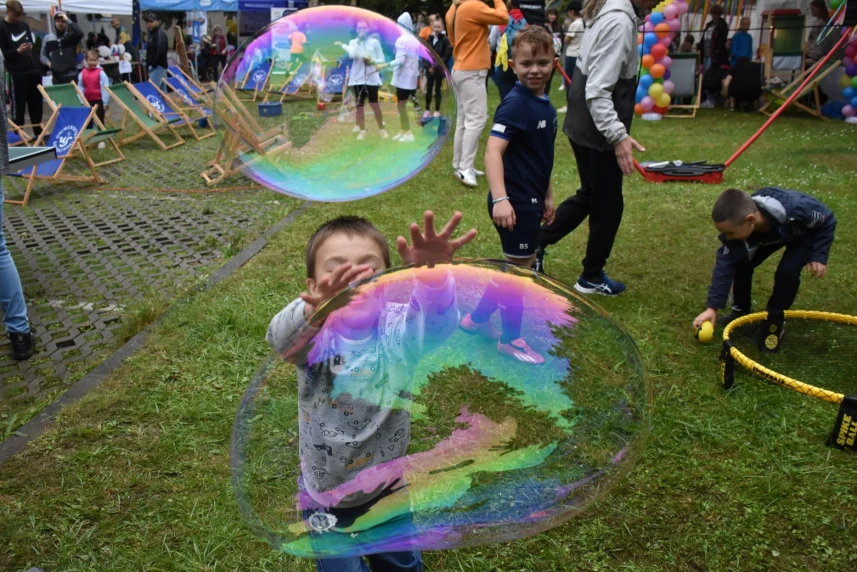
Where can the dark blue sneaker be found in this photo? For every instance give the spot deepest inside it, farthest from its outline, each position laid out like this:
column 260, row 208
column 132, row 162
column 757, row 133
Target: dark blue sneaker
column 604, row 286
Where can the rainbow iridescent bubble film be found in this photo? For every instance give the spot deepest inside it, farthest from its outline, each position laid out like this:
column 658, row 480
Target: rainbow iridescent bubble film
column 293, row 100
column 402, row 428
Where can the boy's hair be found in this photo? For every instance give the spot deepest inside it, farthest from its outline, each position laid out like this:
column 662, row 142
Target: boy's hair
column 689, row 39
column 349, row 225
column 91, row 54
column 715, row 10
column 14, row 7
column 537, row 37
column 733, row 206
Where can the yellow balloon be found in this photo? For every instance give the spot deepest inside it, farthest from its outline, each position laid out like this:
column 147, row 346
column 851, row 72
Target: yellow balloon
column 845, row 81
column 663, row 99
column 655, row 90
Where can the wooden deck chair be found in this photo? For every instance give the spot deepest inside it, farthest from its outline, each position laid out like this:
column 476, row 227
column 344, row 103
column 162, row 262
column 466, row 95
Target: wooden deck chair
column 335, row 80
column 69, row 95
column 297, row 84
column 68, row 133
column 150, row 121
column 196, row 86
column 237, row 139
column 161, row 103
column 244, row 119
column 776, row 96
column 16, row 136
column 684, row 73
column 256, row 80
column 185, row 98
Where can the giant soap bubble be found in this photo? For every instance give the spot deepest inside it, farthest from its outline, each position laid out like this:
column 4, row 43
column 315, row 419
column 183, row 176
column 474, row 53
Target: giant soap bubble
column 313, row 105
column 402, row 430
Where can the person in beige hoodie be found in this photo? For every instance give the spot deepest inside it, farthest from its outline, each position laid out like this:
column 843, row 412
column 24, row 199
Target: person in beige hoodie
column 467, row 24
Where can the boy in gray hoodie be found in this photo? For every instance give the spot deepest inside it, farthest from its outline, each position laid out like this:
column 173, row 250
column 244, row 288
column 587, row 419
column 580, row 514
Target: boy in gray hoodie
column 354, row 368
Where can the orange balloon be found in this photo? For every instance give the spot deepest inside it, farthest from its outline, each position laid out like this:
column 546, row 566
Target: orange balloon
column 662, row 30
column 639, row 38
column 659, row 51
column 657, row 71
column 648, row 60
column 638, row 109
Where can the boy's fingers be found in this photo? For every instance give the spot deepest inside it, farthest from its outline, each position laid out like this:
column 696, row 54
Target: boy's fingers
column 428, row 224
column 461, row 241
column 451, row 224
column 416, row 235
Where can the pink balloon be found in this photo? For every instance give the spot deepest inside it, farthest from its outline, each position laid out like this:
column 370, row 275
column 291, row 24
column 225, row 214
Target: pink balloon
column 853, row 40
column 648, row 103
column 674, row 24
column 666, row 61
column 668, row 85
column 847, row 111
column 648, row 16
column 647, row 27
column 850, row 51
column 666, row 41
column 683, row 8
column 670, row 12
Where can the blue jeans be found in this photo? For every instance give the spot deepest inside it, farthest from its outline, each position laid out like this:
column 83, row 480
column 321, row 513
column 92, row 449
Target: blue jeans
column 157, row 74
column 388, row 562
column 570, row 64
column 11, row 291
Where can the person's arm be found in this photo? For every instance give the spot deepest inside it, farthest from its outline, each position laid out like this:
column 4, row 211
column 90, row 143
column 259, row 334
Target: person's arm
column 73, row 35
column 290, row 334
column 721, row 278
column 503, row 213
column 377, row 53
column 494, row 37
column 163, row 47
column 80, row 81
column 43, row 52
column 821, row 223
column 487, row 16
column 401, row 53
column 104, row 82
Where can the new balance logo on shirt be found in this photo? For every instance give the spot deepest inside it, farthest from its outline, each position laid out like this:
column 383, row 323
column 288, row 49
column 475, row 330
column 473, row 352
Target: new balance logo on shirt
column 542, row 124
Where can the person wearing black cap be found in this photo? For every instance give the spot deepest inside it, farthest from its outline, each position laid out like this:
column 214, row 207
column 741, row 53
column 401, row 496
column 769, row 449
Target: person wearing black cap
column 59, row 51
column 156, row 50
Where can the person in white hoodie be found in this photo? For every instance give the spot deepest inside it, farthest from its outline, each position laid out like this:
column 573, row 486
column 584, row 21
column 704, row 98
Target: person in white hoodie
column 364, row 77
column 406, row 74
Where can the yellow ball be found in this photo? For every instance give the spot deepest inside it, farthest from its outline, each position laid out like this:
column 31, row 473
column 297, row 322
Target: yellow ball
column 705, row 332
column 655, row 91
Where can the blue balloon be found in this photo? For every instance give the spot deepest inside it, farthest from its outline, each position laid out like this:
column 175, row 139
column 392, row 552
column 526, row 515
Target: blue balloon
column 854, row 102
column 849, row 92
column 646, row 81
column 641, row 93
column 640, row 49
column 656, row 18
column 650, row 39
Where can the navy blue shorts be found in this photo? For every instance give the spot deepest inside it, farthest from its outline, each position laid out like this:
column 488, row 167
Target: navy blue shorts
column 523, row 240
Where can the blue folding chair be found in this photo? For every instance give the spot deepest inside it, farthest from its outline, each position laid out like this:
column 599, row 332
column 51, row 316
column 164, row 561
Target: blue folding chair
column 15, row 135
column 335, row 80
column 160, row 102
column 68, row 133
column 256, row 79
column 296, row 82
column 186, row 96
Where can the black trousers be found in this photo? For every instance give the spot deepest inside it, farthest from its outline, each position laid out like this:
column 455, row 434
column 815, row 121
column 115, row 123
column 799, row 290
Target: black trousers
column 599, row 198
column 786, row 279
column 433, row 82
column 26, row 95
column 99, row 110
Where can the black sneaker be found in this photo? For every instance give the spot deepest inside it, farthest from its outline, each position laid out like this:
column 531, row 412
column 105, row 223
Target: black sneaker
column 539, row 263
column 771, row 332
column 22, row 345
column 733, row 315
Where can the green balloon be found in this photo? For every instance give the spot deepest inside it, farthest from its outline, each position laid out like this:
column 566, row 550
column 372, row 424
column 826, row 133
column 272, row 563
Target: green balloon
column 835, row 4
column 854, row 82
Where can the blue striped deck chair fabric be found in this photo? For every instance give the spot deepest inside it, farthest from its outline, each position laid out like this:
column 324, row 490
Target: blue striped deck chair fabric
column 297, row 81
column 169, row 110
column 15, row 135
column 256, row 79
column 182, row 93
column 67, row 127
column 178, row 72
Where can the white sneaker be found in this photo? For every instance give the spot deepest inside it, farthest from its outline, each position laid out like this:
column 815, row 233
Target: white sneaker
column 407, row 138
column 437, row 114
column 477, row 172
column 467, row 178
column 707, row 104
column 102, row 145
column 562, row 109
column 398, row 136
column 362, row 135
column 562, row 87
column 356, row 129
column 383, row 134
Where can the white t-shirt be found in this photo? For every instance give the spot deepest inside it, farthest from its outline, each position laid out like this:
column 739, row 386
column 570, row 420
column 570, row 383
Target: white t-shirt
column 575, row 35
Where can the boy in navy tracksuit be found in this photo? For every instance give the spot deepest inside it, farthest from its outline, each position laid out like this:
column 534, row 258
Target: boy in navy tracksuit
column 518, row 162
column 752, row 229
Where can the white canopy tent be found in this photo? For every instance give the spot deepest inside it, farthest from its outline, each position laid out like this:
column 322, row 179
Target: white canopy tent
column 112, row 7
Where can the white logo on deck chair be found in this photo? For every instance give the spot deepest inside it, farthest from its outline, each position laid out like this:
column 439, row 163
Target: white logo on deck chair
column 259, row 76
column 155, row 102
column 335, row 80
column 65, row 138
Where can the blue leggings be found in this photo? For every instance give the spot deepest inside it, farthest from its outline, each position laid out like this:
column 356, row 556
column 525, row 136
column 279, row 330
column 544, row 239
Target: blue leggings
column 11, row 292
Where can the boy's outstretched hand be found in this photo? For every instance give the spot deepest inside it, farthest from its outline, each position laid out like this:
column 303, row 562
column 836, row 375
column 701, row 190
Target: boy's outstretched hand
column 333, row 283
column 429, row 247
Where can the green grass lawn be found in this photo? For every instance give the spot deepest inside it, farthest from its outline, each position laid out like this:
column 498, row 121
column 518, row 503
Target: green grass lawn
column 136, row 475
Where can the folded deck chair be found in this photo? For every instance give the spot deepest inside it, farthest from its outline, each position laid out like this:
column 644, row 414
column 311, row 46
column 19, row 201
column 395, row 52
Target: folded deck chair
column 15, row 135
column 159, row 101
column 68, row 133
column 229, row 103
column 256, row 80
column 187, row 99
column 151, row 123
column 684, row 73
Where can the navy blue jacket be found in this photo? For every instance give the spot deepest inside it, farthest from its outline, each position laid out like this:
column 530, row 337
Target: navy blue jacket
column 792, row 214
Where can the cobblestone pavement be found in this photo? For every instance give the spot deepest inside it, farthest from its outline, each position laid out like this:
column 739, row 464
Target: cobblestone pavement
column 84, row 255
